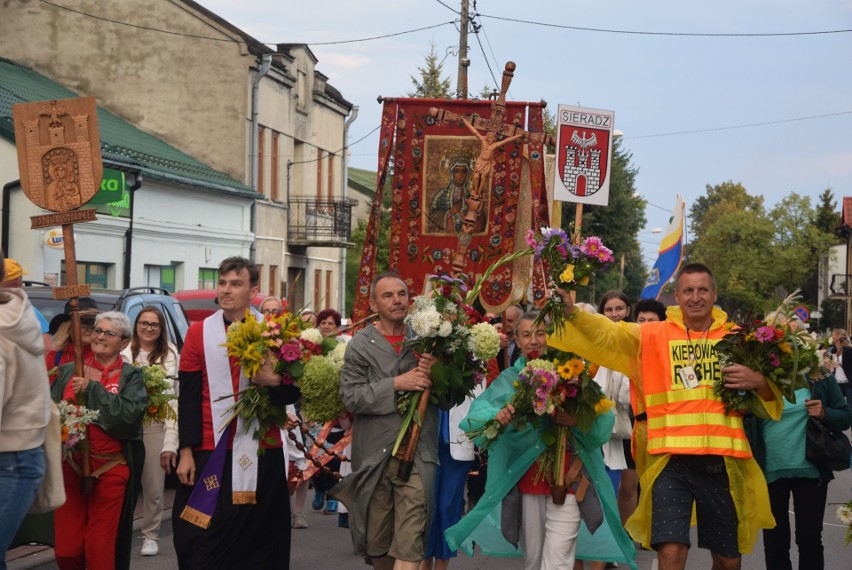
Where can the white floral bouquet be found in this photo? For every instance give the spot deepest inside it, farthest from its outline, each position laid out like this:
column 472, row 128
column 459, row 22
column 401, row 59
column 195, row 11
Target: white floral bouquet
column 844, row 515
column 459, row 338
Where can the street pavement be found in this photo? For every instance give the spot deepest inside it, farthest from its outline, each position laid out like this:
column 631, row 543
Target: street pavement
column 323, row 545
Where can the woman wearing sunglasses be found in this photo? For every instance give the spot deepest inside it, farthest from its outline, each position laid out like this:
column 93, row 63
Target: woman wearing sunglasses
column 94, row 530
column 150, row 345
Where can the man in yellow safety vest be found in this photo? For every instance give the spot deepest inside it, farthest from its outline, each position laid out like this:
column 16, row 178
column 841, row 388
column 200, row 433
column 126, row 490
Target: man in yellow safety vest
column 698, row 453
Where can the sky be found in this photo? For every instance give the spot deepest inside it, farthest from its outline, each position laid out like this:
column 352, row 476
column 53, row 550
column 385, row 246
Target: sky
column 727, row 102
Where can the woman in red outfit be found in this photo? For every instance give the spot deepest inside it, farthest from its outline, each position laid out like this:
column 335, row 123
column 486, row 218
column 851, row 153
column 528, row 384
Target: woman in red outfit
column 95, row 530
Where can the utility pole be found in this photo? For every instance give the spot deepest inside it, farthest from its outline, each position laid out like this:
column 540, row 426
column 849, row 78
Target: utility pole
column 464, row 61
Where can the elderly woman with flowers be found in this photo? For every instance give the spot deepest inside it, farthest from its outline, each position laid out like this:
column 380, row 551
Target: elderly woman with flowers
column 94, row 528
column 550, row 534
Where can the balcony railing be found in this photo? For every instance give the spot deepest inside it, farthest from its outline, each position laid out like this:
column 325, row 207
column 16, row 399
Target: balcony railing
column 841, row 286
column 319, row 223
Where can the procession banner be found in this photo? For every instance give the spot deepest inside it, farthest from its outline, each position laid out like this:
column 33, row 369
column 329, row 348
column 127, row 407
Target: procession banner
column 583, row 155
column 671, row 253
column 433, row 165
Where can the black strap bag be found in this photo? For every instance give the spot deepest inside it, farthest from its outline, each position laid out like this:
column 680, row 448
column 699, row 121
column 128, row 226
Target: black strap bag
column 825, row 448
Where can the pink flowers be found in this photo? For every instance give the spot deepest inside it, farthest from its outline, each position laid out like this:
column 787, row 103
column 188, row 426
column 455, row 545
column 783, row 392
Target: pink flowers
column 290, row 352
column 594, row 247
column 765, row 334
column 530, row 237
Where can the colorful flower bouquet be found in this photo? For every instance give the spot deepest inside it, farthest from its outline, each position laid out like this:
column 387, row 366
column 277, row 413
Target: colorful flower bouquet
column 282, row 340
column 844, row 515
column 785, row 354
column 160, row 395
column 563, row 381
column 74, row 419
column 458, row 336
column 548, row 388
column 566, row 265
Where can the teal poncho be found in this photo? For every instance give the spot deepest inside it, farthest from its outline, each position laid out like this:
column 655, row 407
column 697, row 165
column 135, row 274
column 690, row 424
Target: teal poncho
column 510, row 456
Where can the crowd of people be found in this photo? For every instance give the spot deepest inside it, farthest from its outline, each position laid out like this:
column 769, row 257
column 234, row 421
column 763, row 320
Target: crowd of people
column 641, row 473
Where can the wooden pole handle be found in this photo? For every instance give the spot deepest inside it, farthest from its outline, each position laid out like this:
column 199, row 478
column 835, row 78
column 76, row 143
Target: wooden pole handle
column 407, row 462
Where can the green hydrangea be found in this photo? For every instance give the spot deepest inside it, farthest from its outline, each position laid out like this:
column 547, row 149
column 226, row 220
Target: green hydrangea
column 320, row 387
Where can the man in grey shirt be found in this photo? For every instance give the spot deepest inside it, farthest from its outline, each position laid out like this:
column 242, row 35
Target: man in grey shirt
column 389, row 517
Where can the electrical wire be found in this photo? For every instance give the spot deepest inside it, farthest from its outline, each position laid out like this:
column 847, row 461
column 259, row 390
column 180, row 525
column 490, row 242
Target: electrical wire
column 231, row 40
column 485, row 56
column 680, row 34
column 491, row 49
column 761, row 124
column 451, row 22
column 450, row 8
column 137, row 26
column 337, row 152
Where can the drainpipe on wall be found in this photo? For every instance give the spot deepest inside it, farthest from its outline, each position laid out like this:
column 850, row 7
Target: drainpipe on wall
column 265, row 64
column 352, row 116
column 6, row 214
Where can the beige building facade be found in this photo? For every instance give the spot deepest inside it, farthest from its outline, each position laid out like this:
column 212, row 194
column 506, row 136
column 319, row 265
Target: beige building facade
column 263, row 115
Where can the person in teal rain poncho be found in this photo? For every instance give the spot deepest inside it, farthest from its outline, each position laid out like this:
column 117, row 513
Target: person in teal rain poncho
column 548, row 536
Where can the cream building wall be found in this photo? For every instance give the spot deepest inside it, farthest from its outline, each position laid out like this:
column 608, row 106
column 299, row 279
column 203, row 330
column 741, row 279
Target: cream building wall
column 187, row 91
column 193, row 89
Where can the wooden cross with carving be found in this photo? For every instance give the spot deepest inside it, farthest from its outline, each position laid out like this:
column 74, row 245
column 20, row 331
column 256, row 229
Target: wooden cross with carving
column 484, row 167
column 59, row 160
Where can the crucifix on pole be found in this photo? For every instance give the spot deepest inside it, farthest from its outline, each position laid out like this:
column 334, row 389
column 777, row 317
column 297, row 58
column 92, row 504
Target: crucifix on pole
column 497, row 133
column 59, row 160
column 494, row 127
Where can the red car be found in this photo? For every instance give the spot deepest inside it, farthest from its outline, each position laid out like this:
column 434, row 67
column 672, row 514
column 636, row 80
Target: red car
column 198, row 304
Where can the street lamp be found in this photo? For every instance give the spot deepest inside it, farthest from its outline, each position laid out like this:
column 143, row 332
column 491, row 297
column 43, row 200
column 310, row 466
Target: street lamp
column 621, row 276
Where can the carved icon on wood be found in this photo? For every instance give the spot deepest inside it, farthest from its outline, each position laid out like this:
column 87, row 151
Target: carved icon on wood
column 60, row 166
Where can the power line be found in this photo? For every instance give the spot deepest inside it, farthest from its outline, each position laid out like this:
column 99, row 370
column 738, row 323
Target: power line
column 450, row 8
column 491, row 49
column 680, row 34
column 231, row 40
column 451, row 22
column 764, row 123
column 137, row 26
column 337, row 152
column 484, row 55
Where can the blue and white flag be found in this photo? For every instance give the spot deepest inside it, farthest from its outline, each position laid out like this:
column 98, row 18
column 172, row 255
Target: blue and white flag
column 671, row 253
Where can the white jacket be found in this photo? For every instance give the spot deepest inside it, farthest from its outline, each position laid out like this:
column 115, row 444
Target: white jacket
column 461, row 448
column 613, row 450
column 24, row 388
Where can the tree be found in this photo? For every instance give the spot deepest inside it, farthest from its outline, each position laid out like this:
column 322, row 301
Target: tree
column 487, row 92
column 629, row 209
column 755, row 255
column 721, row 199
column 431, row 84
column 827, row 216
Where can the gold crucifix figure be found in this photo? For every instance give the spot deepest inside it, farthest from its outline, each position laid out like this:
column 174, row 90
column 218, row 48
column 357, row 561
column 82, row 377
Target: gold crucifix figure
column 484, row 166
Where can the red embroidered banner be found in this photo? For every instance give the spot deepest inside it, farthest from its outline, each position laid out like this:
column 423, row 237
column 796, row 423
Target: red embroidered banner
column 433, row 166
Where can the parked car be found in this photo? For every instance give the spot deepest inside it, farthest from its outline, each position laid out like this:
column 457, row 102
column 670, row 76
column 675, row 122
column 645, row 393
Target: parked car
column 201, row 303
column 128, row 301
